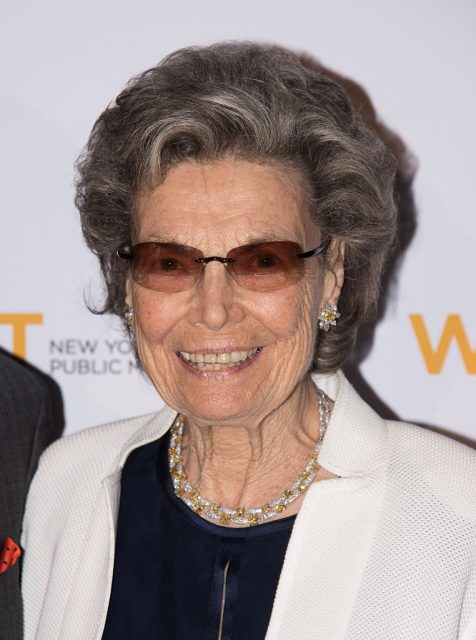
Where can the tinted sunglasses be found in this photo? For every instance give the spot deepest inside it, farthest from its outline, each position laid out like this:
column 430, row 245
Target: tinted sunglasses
column 262, row 266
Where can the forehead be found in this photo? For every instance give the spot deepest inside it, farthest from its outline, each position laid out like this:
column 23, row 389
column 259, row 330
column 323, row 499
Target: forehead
column 224, row 202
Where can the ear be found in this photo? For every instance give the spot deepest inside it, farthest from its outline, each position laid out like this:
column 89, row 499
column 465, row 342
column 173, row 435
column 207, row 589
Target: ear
column 334, row 276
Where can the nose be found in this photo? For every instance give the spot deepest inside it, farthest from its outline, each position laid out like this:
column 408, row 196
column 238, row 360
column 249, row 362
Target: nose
column 214, row 298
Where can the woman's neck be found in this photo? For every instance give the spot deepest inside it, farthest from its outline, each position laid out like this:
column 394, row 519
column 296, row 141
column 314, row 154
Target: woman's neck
column 247, row 465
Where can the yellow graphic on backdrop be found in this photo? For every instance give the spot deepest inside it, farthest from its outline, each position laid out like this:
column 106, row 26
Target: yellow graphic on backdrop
column 19, row 323
column 452, row 330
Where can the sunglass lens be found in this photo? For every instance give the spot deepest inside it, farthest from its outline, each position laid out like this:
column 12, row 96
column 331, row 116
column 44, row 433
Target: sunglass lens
column 267, row 266
column 165, row 267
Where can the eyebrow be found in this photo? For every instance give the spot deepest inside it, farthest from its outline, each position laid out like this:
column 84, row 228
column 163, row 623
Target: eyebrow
column 251, row 239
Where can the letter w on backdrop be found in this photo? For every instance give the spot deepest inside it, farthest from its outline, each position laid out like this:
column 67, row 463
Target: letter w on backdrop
column 453, row 330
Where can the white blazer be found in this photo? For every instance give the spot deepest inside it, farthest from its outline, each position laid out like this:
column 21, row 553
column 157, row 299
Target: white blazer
column 387, row 551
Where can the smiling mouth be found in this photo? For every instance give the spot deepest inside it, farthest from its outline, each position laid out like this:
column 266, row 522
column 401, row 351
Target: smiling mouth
column 218, row 361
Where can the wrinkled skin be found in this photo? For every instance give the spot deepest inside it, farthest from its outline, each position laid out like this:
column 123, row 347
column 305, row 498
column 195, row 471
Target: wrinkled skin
column 249, row 429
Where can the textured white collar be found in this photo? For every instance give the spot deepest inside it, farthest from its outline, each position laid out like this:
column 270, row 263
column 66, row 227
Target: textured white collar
column 356, row 439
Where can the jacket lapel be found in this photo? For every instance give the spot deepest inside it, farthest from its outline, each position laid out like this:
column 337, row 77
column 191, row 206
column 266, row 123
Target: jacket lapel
column 87, row 617
column 333, row 532
column 325, row 559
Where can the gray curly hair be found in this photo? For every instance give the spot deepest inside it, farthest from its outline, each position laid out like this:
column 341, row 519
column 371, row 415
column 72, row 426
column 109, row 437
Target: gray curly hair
column 258, row 103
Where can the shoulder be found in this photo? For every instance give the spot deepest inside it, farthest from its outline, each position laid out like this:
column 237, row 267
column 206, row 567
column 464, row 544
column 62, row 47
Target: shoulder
column 447, row 467
column 18, row 381
column 72, row 470
column 80, row 461
column 93, row 451
column 31, row 416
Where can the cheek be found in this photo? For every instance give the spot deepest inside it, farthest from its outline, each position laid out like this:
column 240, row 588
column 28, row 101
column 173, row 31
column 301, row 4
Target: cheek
column 291, row 314
column 156, row 316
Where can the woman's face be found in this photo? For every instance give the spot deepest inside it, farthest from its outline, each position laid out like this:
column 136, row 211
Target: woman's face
column 216, row 207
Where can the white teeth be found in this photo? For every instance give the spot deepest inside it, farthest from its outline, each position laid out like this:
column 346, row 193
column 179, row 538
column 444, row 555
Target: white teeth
column 218, row 361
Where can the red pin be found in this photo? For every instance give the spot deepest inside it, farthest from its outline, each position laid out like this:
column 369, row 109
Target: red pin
column 9, row 555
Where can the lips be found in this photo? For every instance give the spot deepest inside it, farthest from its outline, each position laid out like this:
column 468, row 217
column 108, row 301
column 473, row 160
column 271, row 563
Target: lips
column 218, row 361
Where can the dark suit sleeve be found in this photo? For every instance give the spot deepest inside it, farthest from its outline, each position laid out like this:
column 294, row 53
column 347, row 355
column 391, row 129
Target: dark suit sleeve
column 43, row 434
column 26, row 428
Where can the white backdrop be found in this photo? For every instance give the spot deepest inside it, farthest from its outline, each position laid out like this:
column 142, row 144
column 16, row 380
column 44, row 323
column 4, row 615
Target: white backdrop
column 63, row 61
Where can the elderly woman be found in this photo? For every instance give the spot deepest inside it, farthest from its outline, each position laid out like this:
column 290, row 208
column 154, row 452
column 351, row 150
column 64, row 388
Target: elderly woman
column 242, row 214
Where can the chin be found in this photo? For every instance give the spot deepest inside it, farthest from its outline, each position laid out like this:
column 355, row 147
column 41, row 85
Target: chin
column 217, row 407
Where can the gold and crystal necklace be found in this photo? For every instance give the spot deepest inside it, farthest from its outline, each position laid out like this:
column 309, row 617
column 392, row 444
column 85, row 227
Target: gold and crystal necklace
column 239, row 515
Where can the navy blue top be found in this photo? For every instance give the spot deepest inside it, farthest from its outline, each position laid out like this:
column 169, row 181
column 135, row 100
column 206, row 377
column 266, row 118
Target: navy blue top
column 180, row 577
